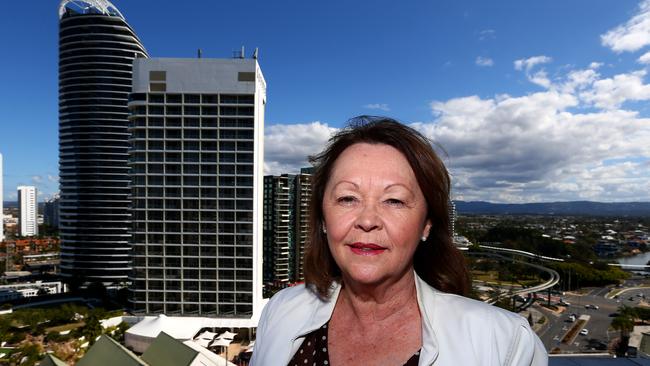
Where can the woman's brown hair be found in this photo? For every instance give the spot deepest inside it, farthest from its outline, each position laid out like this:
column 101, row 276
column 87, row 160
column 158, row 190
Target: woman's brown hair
column 437, row 261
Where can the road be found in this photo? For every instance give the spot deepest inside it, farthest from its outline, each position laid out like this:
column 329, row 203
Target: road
column 598, row 323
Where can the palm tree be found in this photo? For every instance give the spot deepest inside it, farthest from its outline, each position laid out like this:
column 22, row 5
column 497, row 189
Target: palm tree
column 624, row 322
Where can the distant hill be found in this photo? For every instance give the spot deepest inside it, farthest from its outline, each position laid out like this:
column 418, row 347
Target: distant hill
column 580, row 208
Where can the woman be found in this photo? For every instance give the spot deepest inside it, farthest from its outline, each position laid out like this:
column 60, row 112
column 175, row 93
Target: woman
column 382, row 276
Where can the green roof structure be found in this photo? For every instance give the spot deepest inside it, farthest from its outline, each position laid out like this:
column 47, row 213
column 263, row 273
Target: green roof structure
column 50, row 360
column 107, row 352
column 167, row 351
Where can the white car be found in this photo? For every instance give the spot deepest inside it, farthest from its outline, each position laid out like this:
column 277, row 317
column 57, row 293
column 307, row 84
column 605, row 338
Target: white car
column 584, row 331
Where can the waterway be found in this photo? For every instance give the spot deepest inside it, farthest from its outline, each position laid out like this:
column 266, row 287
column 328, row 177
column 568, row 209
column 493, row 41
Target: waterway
column 642, row 258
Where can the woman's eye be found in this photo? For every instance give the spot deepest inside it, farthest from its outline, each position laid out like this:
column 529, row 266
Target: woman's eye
column 346, row 199
column 394, row 202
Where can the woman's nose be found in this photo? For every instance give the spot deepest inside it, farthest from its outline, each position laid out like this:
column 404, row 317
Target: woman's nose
column 368, row 218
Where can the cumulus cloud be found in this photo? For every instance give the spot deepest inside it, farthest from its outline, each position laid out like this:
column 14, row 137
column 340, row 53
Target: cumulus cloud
column 484, row 61
column 36, row 179
column 286, row 147
column 379, row 106
column 538, row 77
column 631, row 36
column 544, row 146
column 613, row 92
column 527, row 64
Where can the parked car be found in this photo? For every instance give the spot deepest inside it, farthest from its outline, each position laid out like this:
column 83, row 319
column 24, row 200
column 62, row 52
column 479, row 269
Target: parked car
column 584, row 332
column 591, row 306
column 572, row 318
column 564, row 303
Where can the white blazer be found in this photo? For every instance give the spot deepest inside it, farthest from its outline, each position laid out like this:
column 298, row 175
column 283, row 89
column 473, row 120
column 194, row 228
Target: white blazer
column 456, row 331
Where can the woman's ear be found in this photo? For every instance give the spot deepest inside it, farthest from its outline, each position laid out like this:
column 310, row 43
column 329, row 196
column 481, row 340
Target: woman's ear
column 427, row 228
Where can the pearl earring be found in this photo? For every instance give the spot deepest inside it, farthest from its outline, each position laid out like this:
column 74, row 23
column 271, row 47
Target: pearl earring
column 424, row 238
column 324, row 229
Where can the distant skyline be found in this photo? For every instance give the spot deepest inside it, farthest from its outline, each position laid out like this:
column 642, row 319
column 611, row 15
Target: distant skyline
column 531, row 102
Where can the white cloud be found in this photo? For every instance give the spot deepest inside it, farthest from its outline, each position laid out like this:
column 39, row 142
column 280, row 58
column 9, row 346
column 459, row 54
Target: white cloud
column 579, row 79
column 487, row 34
column 631, row 36
column 380, row 106
column 644, row 59
column 595, row 65
column 527, row 64
column 484, row 61
column 539, row 77
column 53, row 178
column 286, row 147
column 612, row 92
column 37, row 179
column 538, row 148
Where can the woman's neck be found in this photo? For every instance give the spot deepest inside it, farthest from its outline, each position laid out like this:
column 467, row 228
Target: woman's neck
column 379, row 302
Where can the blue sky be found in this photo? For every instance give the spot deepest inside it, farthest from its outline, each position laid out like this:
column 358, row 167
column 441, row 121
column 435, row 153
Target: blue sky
column 543, row 101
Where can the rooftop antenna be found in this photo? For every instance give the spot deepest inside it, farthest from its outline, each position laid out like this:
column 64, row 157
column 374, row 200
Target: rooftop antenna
column 199, row 53
column 256, row 53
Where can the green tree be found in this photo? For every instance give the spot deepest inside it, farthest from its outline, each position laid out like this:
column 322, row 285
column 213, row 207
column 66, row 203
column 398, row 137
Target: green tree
column 625, row 324
column 92, row 329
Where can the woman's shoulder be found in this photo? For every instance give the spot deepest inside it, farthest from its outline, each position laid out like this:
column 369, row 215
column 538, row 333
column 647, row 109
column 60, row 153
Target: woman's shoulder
column 289, row 295
column 476, row 309
column 293, row 302
column 493, row 330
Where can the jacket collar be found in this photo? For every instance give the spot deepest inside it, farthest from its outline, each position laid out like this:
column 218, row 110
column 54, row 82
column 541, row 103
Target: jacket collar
column 322, row 313
column 427, row 303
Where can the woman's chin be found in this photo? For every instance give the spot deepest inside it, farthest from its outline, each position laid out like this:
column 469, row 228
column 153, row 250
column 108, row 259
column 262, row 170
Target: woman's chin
column 366, row 276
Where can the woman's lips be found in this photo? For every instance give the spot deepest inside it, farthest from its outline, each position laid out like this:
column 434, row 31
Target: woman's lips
column 366, row 249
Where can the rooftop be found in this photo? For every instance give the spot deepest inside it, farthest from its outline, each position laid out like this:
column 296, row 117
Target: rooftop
column 78, row 7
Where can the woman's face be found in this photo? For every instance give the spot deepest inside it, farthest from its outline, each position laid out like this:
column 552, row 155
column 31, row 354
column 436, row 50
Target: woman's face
column 375, row 213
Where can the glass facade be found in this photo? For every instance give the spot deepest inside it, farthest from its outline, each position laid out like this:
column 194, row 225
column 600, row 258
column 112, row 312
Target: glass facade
column 286, row 227
column 192, row 195
column 279, row 245
column 96, row 51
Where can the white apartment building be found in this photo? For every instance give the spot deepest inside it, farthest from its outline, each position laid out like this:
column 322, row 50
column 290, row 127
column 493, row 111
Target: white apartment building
column 196, row 158
column 28, row 210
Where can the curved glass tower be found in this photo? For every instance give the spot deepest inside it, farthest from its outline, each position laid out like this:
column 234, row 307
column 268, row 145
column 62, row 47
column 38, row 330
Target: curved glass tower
column 96, row 52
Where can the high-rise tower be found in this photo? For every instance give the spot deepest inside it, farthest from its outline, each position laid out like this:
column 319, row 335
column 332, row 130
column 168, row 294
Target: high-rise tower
column 301, row 222
column 286, row 227
column 279, row 229
column 96, row 51
column 28, row 210
column 197, row 160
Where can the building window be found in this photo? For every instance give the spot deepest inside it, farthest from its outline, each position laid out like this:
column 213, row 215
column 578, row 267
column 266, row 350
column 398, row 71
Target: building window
column 157, row 87
column 246, row 76
column 157, row 75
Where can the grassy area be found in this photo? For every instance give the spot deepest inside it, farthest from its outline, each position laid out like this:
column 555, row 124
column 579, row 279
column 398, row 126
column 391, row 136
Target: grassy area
column 62, row 328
